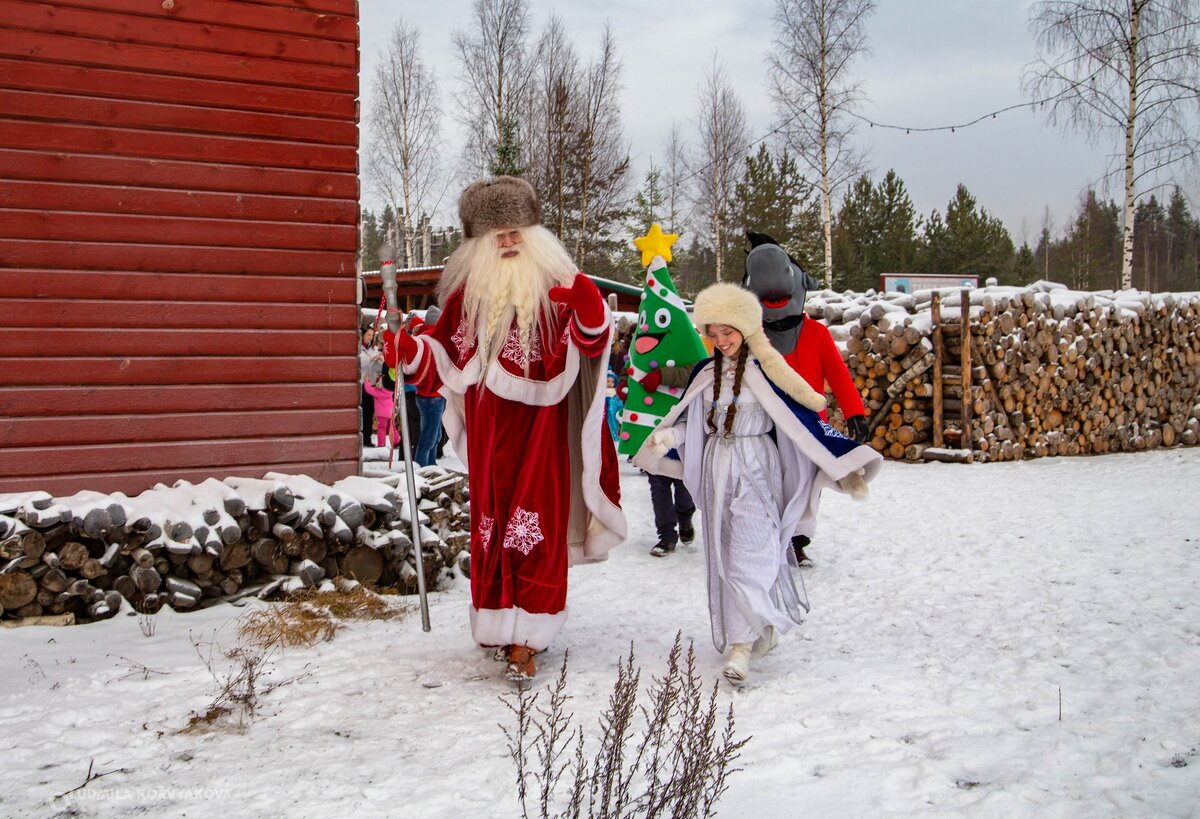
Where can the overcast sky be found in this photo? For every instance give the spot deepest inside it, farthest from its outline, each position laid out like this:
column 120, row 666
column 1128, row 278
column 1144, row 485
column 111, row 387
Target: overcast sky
column 932, row 63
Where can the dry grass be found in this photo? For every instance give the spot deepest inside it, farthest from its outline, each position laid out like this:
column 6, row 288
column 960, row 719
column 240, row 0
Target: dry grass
column 309, row 617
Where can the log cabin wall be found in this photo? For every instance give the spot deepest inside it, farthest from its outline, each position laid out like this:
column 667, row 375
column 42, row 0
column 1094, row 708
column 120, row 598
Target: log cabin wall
column 178, row 212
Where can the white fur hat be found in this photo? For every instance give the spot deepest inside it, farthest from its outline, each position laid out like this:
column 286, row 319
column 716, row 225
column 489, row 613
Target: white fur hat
column 736, row 307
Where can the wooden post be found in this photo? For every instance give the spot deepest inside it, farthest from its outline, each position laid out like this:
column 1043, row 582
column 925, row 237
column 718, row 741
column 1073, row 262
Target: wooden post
column 965, row 330
column 935, row 311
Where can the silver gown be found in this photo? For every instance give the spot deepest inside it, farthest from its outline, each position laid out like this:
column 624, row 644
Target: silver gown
column 750, row 586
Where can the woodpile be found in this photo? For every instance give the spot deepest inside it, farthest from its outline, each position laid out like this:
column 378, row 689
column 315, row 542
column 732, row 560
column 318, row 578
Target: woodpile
column 188, row 544
column 1040, row 371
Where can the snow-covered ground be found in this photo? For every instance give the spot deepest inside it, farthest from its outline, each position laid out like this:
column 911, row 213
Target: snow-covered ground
column 1004, row 640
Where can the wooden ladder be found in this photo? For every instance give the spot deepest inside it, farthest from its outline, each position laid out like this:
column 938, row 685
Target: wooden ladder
column 951, row 386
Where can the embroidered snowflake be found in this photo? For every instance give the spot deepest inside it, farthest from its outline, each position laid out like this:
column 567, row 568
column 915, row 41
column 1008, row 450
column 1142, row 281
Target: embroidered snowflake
column 515, row 353
column 461, row 342
column 486, row 524
column 524, row 531
column 831, row 432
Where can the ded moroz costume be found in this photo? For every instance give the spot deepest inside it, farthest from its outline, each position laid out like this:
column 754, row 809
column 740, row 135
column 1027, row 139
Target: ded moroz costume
column 520, row 351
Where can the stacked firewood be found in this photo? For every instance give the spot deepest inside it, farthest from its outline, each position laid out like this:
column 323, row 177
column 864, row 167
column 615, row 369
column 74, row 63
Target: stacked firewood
column 189, row 543
column 1053, row 372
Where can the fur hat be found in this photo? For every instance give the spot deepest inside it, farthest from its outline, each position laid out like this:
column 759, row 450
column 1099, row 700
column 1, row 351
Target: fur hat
column 506, row 201
column 728, row 304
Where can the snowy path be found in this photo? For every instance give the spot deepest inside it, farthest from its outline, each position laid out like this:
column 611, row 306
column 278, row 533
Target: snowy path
column 949, row 613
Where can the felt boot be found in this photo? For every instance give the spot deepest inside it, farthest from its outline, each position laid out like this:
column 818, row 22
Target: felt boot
column 737, row 667
column 763, row 645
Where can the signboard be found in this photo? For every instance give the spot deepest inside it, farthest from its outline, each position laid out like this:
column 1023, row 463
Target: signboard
column 912, row 282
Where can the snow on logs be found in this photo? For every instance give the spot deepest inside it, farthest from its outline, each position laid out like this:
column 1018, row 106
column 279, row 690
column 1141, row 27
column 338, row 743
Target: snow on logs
column 185, row 544
column 1054, row 371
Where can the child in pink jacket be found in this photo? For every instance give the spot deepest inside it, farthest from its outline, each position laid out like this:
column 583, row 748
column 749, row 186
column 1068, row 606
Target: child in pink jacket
column 383, row 411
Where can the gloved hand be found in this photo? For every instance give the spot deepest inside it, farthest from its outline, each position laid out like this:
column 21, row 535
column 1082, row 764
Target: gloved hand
column 855, row 485
column 398, row 347
column 583, row 297
column 663, row 441
column 858, row 428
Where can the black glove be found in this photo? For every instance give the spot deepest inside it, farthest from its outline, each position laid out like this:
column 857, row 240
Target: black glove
column 858, row 428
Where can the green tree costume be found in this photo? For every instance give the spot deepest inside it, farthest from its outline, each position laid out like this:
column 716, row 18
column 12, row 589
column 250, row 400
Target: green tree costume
column 664, row 337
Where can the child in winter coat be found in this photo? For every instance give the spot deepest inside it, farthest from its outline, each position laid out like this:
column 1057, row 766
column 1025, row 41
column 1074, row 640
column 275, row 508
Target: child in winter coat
column 755, row 455
column 384, row 405
column 612, row 405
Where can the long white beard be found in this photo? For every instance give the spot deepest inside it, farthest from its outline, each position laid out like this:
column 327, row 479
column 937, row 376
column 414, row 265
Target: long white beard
column 499, row 291
column 512, row 289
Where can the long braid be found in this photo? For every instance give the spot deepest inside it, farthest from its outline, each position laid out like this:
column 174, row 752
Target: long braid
column 712, row 410
column 731, row 413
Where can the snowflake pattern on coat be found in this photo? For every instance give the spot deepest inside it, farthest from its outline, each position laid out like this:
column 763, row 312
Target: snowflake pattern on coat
column 524, row 531
column 830, row 431
column 515, row 353
column 486, row 524
column 461, row 342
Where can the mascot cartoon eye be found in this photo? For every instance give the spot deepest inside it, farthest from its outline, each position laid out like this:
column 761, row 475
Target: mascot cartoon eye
column 642, row 318
column 662, row 317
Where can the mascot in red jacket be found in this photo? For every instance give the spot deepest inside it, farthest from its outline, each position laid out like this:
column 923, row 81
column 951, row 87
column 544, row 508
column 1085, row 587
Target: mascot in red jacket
column 781, row 286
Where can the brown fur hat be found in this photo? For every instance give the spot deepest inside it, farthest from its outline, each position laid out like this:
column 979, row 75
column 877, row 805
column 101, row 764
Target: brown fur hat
column 506, row 201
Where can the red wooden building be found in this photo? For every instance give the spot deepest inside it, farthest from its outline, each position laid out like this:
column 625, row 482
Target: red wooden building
column 178, row 210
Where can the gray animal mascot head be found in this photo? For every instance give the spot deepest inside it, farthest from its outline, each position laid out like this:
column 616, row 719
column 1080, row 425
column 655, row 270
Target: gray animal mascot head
column 781, row 286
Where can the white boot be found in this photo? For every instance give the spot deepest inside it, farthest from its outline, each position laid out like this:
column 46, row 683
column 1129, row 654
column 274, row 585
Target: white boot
column 763, row 645
column 737, row 667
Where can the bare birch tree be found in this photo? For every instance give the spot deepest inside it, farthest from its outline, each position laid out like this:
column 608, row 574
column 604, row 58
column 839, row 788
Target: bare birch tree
column 810, row 81
column 602, row 152
column 723, row 142
column 554, row 123
column 405, row 138
column 674, row 180
column 1128, row 68
column 496, row 73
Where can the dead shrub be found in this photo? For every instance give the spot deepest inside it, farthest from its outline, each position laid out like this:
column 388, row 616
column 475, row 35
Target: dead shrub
column 677, row 765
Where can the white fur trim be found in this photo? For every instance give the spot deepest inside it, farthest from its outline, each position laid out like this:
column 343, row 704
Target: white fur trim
column 779, row 371
column 515, row 627
column 607, row 526
column 863, row 459
column 593, row 331
column 414, row 365
column 502, row 382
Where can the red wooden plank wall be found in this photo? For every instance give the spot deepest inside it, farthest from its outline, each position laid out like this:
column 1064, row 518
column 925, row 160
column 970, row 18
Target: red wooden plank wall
column 178, row 229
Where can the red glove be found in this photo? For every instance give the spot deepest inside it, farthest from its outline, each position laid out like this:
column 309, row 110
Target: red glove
column 584, row 298
column 401, row 346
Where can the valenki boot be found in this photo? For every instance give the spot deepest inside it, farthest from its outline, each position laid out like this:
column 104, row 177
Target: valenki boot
column 737, row 667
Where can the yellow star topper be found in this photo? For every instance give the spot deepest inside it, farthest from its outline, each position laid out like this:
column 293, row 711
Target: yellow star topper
column 655, row 243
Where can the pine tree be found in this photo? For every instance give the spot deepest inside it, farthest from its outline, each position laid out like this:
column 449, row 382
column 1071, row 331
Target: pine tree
column 371, row 240
column 854, row 233
column 898, row 246
column 773, row 198
column 1184, row 233
column 1025, row 266
column 506, row 151
column 968, row 242
column 1091, row 250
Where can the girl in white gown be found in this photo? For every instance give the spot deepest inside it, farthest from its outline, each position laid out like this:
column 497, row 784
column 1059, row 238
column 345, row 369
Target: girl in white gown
column 755, row 455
